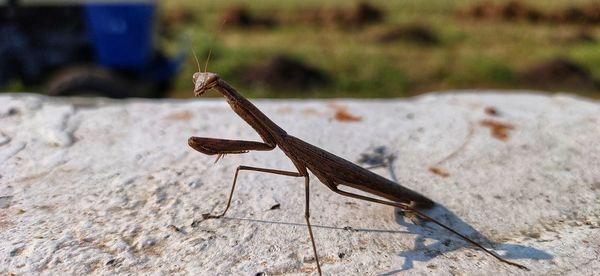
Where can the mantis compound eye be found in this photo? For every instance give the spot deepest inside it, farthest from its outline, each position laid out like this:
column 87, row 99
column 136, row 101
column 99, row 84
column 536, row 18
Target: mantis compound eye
column 195, row 77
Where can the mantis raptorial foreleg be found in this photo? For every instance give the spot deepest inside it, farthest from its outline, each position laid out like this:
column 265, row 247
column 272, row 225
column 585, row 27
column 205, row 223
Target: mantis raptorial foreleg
column 212, row 146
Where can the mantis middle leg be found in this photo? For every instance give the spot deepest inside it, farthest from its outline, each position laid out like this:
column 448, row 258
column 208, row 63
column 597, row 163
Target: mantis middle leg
column 248, row 168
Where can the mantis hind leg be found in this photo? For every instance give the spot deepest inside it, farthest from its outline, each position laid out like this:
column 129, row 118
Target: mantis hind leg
column 248, row 168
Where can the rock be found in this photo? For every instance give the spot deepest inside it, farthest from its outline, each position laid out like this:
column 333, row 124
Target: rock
column 103, row 200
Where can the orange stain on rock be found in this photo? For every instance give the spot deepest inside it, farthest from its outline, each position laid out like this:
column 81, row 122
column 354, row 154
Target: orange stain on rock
column 439, row 172
column 498, row 130
column 342, row 115
column 284, row 110
column 311, row 111
column 180, row 116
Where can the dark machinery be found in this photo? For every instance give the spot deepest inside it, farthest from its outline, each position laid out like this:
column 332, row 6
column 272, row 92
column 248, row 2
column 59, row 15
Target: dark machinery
column 84, row 47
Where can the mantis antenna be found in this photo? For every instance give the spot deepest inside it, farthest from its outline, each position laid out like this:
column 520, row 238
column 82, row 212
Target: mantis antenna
column 207, row 59
column 196, row 58
column 209, row 53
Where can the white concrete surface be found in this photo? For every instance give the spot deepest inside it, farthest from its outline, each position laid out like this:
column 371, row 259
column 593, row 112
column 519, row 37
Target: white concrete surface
column 103, row 187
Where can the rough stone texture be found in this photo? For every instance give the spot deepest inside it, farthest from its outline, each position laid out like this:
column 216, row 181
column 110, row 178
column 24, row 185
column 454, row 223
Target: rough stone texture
column 100, row 186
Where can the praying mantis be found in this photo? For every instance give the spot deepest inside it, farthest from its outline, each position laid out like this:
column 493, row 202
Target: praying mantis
column 331, row 170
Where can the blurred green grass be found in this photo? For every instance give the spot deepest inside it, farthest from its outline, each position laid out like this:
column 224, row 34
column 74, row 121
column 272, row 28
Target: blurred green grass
column 471, row 54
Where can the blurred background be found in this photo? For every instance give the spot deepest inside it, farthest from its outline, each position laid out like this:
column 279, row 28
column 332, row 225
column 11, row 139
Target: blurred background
column 299, row 48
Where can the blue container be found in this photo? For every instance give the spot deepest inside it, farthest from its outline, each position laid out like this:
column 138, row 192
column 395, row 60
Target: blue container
column 121, row 33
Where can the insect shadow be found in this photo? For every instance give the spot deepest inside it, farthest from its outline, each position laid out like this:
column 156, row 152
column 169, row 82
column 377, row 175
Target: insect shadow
column 446, row 243
column 380, row 157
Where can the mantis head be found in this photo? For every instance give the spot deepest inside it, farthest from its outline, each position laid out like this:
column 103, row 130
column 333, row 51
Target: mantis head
column 204, row 82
